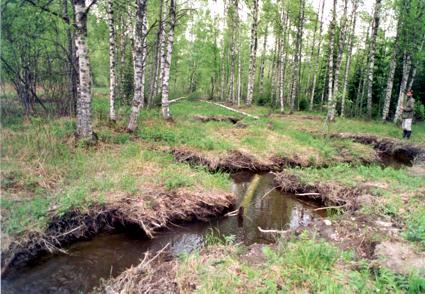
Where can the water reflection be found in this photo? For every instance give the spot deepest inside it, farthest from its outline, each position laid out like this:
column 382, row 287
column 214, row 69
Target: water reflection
column 108, row 255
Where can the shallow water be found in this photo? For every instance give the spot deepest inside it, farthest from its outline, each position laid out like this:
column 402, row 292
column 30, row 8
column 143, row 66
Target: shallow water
column 108, row 255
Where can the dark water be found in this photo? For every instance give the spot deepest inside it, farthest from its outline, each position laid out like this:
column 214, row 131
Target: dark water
column 109, row 255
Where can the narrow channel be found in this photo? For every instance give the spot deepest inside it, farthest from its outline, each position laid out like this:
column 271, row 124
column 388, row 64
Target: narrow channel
column 108, row 255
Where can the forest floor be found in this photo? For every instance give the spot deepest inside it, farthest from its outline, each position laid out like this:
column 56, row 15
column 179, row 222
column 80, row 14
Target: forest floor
column 166, row 172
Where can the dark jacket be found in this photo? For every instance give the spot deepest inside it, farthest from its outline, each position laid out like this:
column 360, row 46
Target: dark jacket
column 408, row 111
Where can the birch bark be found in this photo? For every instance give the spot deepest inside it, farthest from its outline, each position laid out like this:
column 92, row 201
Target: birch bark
column 139, row 63
column 166, row 58
column 372, row 49
column 390, row 79
column 329, row 116
column 112, row 61
column 316, row 62
column 404, row 79
column 253, row 54
column 348, row 61
column 84, row 123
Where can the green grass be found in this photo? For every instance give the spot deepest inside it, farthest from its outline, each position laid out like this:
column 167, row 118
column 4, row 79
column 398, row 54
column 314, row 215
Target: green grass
column 298, row 265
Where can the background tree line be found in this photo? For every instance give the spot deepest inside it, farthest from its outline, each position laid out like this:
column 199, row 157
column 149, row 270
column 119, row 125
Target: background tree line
column 345, row 58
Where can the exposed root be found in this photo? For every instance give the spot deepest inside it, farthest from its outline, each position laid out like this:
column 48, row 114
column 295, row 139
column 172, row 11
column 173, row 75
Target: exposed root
column 402, row 151
column 144, row 215
column 328, row 194
column 234, row 161
column 204, row 119
column 151, row 275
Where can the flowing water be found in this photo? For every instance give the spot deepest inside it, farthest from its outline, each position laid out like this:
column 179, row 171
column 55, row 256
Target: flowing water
column 108, row 255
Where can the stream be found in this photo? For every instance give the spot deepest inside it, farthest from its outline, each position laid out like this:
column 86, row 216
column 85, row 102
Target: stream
column 108, row 255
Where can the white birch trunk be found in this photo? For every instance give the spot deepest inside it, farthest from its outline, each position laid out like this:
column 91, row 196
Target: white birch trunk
column 84, row 123
column 263, row 61
column 317, row 59
column 253, row 55
column 390, row 83
column 372, row 50
column 404, row 79
column 165, row 109
column 282, row 61
column 330, row 115
column 112, row 61
column 139, row 64
column 238, row 94
column 297, row 57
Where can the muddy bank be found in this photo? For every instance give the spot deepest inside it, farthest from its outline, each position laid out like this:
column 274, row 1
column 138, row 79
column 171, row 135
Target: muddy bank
column 236, row 160
column 143, row 215
column 402, row 151
column 327, row 194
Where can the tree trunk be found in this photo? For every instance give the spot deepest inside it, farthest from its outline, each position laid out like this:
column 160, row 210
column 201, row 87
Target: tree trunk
column 372, row 50
column 297, row 57
column 139, row 63
column 166, row 59
column 238, row 94
column 72, row 70
column 282, row 62
column 331, row 69
column 84, row 123
column 263, row 61
column 157, row 55
column 390, row 79
column 253, row 54
column 404, row 79
column 341, row 46
column 317, row 59
column 112, row 61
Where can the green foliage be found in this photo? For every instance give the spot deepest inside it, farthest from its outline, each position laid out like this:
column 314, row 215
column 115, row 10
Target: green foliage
column 416, row 226
column 419, row 111
column 292, row 265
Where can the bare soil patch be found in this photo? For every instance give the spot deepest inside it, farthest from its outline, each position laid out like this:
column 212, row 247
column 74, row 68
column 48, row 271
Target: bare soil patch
column 403, row 151
column 217, row 118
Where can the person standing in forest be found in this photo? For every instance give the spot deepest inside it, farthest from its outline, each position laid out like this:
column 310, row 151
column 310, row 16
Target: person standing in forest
column 408, row 115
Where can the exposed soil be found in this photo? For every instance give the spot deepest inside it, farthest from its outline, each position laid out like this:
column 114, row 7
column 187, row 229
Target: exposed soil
column 153, row 211
column 217, row 118
column 400, row 257
column 356, row 232
column 403, row 151
column 237, row 160
column 328, row 194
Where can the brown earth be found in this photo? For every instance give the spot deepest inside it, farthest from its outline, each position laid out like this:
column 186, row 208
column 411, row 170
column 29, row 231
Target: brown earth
column 328, row 194
column 401, row 150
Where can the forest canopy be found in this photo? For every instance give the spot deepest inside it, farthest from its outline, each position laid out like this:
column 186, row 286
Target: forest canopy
column 345, row 57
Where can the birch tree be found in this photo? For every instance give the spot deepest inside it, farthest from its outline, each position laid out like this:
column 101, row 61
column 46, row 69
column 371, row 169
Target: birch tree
column 390, row 79
column 297, row 56
column 166, row 60
column 112, row 61
column 403, row 85
column 349, row 53
column 372, row 48
column 330, row 115
column 338, row 62
column 157, row 54
column 139, row 56
column 253, row 54
column 84, row 111
column 316, row 65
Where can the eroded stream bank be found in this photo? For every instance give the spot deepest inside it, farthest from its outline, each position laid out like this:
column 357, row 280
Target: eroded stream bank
column 108, row 255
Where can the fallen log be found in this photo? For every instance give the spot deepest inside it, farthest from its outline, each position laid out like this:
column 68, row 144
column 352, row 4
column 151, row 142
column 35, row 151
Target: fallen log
column 232, row 109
